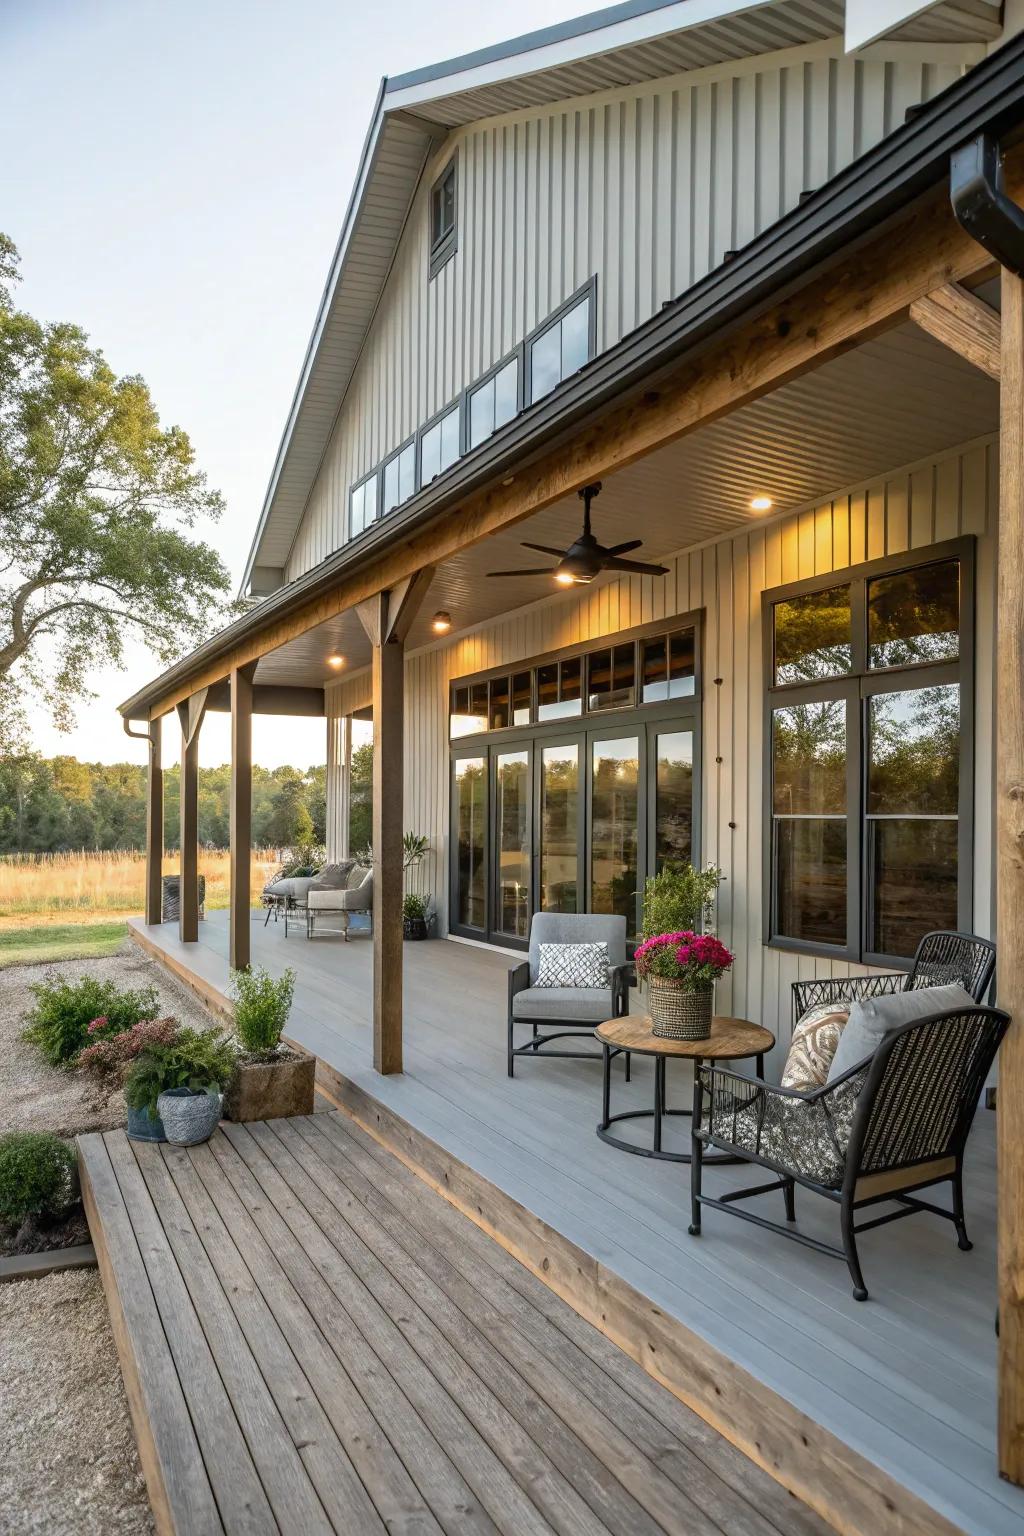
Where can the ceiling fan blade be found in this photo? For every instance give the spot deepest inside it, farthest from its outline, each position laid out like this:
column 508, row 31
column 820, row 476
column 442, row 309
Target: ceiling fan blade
column 538, row 570
column 637, row 567
column 546, row 549
column 623, row 549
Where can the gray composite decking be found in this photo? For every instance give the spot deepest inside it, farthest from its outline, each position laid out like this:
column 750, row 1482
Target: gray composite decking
column 314, row 1343
column 907, row 1379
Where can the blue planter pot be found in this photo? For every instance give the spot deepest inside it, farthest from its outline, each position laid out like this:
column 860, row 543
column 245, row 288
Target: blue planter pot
column 142, row 1126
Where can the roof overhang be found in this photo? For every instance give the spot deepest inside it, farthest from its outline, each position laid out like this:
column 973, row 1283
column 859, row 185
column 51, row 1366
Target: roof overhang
column 871, row 192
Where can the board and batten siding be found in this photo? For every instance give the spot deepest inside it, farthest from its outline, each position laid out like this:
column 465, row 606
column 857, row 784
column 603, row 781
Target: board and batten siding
column 911, row 508
column 646, row 187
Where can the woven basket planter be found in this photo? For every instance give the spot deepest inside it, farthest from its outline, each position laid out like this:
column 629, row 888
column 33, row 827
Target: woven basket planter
column 188, row 1118
column 678, row 1014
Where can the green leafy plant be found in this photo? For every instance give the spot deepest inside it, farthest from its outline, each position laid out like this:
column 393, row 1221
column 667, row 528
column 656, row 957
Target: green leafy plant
column 112, row 1057
column 58, row 1024
column 262, row 1005
column 415, row 847
column 415, row 906
column 201, row 1060
column 679, row 899
column 36, row 1176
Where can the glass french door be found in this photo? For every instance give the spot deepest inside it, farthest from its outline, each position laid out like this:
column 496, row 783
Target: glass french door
column 570, row 823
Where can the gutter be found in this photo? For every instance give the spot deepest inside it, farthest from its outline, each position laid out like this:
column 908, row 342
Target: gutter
column 874, row 189
column 981, row 206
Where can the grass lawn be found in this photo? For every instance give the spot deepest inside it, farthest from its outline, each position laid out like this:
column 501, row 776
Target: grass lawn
column 58, row 941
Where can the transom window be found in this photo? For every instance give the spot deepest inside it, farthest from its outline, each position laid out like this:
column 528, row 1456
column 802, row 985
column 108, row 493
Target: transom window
column 869, row 756
column 568, row 687
column 399, row 478
column 362, row 506
column 439, row 445
column 561, row 348
column 443, row 217
column 494, row 402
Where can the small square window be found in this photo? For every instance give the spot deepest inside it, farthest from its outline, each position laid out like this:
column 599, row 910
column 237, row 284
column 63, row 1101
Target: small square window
column 443, row 217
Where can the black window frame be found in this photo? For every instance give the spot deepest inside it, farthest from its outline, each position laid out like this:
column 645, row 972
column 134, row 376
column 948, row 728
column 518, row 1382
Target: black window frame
column 857, row 687
column 587, row 292
column 445, row 243
column 454, row 407
column 410, row 442
column 358, row 485
column 518, row 356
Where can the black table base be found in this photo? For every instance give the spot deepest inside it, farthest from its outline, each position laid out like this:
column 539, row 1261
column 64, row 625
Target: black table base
column 658, row 1114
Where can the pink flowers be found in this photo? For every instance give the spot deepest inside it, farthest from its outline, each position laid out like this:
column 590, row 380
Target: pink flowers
column 694, row 959
column 112, row 1056
column 98, row 1024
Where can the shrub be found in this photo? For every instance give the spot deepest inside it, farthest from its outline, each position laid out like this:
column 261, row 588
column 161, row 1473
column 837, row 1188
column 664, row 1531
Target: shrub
column 59, row 1022
column 201, row 1060
column 262, row 1006
column 679, row 898
column 36, row 1176
column 112, row 1057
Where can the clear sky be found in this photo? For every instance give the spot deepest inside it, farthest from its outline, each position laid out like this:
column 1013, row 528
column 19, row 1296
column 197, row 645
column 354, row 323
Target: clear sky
column 175, row 176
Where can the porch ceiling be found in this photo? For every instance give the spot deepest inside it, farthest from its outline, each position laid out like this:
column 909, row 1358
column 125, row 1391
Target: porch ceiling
column 894, row 400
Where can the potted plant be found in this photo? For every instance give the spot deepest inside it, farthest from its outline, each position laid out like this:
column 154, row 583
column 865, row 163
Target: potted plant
column 176, row 1087
column 270, row 1081
column 679, row 898
column 679, row 971
column 414, row 916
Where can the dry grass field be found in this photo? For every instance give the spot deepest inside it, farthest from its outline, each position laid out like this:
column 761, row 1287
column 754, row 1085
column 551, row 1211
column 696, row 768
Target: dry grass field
column 81, row 887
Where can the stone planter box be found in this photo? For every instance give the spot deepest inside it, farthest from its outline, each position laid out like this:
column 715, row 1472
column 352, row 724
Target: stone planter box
column 271, row 1090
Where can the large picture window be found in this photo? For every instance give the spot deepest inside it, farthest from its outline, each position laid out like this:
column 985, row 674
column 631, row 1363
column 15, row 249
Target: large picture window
column 869, row 755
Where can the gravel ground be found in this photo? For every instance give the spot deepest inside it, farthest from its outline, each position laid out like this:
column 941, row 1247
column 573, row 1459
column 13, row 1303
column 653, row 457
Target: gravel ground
column 68, row 1463
column 37, row 1097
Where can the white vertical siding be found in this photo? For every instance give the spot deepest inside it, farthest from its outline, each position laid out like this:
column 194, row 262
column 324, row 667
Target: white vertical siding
column 647, row 187
column 908, row 509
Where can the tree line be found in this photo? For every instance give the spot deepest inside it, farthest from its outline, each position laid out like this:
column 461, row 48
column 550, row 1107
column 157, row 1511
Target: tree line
column 51, row 805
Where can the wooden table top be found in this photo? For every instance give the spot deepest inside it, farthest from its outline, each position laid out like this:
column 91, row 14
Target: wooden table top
column 730, row 1039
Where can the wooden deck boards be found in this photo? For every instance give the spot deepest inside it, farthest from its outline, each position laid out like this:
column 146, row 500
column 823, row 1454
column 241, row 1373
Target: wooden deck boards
column 315, row 1342
column 907, row 1379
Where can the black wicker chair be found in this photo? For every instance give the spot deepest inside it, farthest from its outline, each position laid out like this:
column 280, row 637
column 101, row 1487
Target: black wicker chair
column 884, row 1130
column 942, row 957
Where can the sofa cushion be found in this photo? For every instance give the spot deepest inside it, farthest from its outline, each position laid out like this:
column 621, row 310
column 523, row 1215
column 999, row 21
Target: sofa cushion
column 577, row 928
column 805, row 1136
column 573, row 965
column 357, row 876
column 584, row 1005
column 872, row 1018
column 294, row 886
column 813, row 1046
column 333, row 877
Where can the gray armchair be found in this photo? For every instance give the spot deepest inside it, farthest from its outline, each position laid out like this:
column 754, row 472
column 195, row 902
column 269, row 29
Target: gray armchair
column 558, row 1013
column 341, row 901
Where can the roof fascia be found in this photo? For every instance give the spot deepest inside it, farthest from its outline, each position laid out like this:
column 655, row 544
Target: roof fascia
column 636, row 21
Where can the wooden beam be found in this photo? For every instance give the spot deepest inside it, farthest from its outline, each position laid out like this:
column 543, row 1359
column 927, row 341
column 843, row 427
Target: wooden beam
column 154, row 827
column 388, row 771
column 405, row 601
column 240, row 816
column 866, row 291
column 962, row 322
column 1010, row 880
column 190, row 718
column 270, row 699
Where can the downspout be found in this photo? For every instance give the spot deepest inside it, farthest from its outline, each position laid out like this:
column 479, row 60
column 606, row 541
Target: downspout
column 137, row 735
column 982, row 207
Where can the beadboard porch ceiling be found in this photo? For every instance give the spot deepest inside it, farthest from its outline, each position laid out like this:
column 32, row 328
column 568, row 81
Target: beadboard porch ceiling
column 897, row 399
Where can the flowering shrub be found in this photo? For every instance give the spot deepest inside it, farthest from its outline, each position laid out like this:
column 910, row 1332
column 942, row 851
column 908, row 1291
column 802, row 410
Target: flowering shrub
column 111, row 1057
column 693, row 959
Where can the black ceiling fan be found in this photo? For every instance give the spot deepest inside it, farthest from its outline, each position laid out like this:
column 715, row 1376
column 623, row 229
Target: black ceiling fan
column 586, row 558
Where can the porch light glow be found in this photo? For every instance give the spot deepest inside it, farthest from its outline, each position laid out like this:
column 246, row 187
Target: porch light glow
column 441, row 622
column 760, row 504
column 335, row 661
column 565, row 578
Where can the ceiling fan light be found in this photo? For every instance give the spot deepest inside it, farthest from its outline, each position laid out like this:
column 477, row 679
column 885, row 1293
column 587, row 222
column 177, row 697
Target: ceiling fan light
column 565, row 578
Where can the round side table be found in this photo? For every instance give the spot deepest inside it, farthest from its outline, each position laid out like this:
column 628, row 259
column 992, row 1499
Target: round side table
column 729, row 1040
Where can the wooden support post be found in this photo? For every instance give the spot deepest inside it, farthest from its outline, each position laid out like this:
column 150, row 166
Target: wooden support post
column 190, row 716
column 1010, row 880
column 240, row 816
column 154, row 827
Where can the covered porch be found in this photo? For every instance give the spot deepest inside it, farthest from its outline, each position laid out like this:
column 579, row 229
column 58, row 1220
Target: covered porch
column 894, row 1396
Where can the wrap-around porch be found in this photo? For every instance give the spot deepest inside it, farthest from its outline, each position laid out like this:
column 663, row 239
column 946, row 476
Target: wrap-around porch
column 904, row 1381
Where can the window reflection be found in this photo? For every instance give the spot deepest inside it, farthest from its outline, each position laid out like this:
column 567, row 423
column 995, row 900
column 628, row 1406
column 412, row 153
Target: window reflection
column 614, row 838
column 812, row 636
column 810, row 879
column 809, row 759
column 471, row 826
column 674, row 798
column 914, row 881
column 512, row 820
column 559, row 813
column 914, row 616
column 914, row 752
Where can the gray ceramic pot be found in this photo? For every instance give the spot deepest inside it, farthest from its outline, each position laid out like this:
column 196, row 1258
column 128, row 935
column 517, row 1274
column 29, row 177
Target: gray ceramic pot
column 188, row 1117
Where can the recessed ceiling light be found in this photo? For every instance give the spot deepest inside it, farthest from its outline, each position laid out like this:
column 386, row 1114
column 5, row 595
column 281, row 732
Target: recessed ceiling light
column 335, row 661
column 441, row 622
column 760, row 504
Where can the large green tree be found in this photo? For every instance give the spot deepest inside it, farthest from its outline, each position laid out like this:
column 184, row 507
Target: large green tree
column 97, row 504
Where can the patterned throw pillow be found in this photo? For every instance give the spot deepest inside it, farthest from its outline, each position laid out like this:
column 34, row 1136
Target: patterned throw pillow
column 573, row 965
column 814, row 1044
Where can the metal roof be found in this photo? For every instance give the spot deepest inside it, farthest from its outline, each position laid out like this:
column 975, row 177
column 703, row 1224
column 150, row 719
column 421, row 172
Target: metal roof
column 872, row 189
